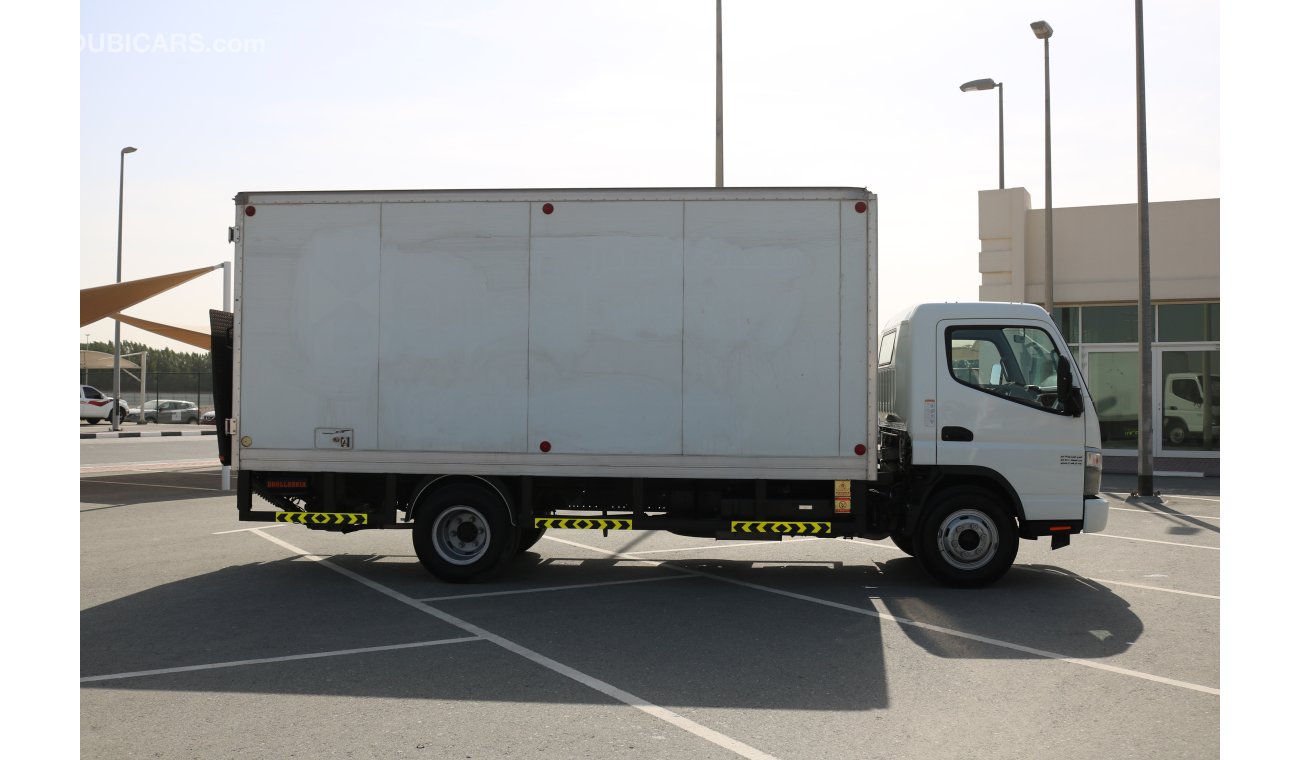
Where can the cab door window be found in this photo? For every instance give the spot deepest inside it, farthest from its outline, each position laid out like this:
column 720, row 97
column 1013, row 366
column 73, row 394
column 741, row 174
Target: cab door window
column 1016, row 363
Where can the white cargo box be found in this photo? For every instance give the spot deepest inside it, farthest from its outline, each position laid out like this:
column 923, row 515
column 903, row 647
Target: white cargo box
column 632, row 333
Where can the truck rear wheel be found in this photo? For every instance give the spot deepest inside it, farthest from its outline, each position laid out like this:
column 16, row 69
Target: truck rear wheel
column 463, row 533
column 967, row 538
column 904, row 543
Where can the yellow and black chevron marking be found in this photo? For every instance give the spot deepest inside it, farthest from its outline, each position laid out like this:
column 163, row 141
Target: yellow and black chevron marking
column 780, row 527
column 322, row 518
column 581, row 523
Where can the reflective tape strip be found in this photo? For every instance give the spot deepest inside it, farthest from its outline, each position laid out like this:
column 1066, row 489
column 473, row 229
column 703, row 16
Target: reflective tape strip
column 322, row 518
column 798, row 528
column 581, row 523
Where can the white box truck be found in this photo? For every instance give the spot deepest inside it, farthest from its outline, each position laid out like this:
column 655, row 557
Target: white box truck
column 483, row 366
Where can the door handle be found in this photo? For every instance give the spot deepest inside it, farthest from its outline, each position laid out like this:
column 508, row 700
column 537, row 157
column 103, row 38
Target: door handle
column 956, row 434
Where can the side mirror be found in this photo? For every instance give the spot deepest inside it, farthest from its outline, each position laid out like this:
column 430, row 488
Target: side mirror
column 1071, row 397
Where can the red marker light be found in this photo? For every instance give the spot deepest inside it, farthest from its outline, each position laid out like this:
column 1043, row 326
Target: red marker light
column 249, row 211
column 547, row 208
column 861, row 207
column 545, row 447
column 860, row 449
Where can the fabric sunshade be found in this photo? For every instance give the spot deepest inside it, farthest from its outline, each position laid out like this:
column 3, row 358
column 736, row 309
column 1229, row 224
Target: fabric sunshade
column 192, row 337
column 107, row 300
column 101, row 360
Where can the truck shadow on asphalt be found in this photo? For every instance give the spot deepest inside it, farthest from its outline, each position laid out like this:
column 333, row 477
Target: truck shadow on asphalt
column 132, row 488
column 688, row 633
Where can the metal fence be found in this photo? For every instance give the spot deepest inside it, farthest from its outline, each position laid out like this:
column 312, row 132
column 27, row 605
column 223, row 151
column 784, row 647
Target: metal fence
column 178, row 386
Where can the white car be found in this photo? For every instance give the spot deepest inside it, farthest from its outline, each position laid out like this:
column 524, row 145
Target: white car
column 96, row 406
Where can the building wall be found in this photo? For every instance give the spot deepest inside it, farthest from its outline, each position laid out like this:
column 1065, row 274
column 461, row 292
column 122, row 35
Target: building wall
column 1095, row 294
column 1095, row 250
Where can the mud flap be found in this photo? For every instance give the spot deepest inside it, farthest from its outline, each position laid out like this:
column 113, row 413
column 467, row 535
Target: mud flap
column 223, row 375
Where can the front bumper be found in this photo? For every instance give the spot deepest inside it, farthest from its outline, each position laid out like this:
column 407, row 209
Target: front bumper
column 1096, row 510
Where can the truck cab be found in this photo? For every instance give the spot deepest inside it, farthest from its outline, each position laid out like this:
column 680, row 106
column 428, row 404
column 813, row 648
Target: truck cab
column 995, row 437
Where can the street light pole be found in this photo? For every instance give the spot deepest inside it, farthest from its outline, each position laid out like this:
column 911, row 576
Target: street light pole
column 1043, row 31
column 117, row 325
column 988, row 84
column 1146, row 325
column 717, row 154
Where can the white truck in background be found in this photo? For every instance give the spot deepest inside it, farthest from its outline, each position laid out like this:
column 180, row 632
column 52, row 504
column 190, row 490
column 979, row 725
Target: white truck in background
column 1185, row 404
column 482, row 366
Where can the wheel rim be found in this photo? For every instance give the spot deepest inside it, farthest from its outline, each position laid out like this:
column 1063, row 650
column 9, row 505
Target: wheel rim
column 461, row 535
column 1177, row 435
column 968, row 539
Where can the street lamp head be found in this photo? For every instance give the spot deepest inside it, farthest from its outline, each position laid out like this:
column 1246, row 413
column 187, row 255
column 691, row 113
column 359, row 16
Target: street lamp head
column 979, row 84
column 1042, row 29
column 128, row 150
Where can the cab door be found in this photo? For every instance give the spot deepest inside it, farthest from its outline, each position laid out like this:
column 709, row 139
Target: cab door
column 998, row 409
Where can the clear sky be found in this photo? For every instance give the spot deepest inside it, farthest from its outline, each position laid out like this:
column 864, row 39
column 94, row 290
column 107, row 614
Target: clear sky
column 566, row 93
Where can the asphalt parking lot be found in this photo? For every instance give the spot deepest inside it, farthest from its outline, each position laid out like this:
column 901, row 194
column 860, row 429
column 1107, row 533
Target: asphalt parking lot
column 203, row 637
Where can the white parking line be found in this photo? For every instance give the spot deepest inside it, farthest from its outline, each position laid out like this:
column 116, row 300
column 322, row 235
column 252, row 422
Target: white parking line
column 265, row 660
column 927, row 626
column 1152, row 541
column 727, row 545
column 179, row 464
column 886, row 547
column 249, row 530
column 157, row 485
column 1125, row 496
column 1162, row 514
column 552, row 588
column 627, row 698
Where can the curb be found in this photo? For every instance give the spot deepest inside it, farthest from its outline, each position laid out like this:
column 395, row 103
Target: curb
column 153, row 434
column 1180, row 474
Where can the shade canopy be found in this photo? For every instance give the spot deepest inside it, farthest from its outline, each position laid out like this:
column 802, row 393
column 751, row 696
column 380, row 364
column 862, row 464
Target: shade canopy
column 191, row 337
column 101, row 360
column 108, row 300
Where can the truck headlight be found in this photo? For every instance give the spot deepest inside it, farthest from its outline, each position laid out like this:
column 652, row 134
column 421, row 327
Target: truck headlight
column 1091, row 471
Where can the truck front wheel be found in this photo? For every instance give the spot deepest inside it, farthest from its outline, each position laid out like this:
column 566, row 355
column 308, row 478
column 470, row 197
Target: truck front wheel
column 463, row 533
column 967, row 538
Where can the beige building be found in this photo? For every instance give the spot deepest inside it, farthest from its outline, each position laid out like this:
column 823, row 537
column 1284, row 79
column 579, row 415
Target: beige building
column 1095, row 289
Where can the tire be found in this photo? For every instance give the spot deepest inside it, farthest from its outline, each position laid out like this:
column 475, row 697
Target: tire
column 967, row 538
column 1177, row 433
column 463, row 533
column 94, row 421
column 903, row 542
column 529, row 536
column 194, row 420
